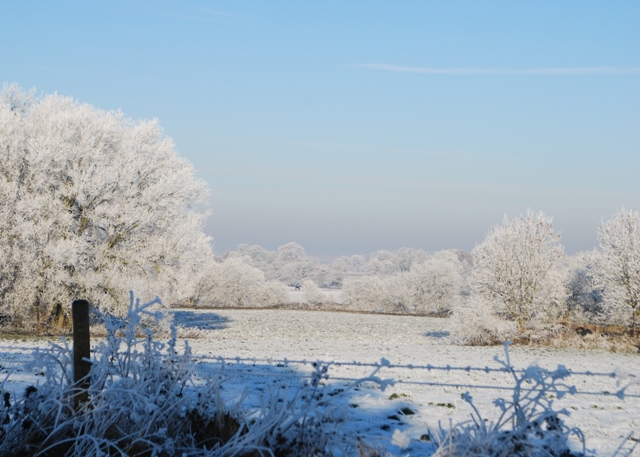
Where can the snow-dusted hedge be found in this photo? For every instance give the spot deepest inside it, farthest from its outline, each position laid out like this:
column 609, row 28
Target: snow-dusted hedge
column 431, row 287
column 476, row 323
column 236, row 284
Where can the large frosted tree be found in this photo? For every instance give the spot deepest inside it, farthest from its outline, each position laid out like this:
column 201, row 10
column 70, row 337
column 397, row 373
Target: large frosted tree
column 515, row 269
column 91, row 204
column 619, row 265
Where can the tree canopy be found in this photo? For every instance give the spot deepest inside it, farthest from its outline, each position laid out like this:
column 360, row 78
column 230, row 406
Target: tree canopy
column 92, row 204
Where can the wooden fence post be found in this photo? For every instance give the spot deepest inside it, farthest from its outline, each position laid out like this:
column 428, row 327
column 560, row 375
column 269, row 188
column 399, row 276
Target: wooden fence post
column 81, row 351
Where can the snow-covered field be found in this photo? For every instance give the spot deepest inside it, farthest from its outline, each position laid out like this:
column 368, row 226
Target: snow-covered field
column 267, row 337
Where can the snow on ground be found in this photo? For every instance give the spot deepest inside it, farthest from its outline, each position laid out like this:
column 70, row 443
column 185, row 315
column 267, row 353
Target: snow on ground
column 267, row 337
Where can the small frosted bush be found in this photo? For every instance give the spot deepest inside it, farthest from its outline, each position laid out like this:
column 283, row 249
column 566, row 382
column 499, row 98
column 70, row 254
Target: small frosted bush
column 476, row 323
column 273, row 293
column 312, row 293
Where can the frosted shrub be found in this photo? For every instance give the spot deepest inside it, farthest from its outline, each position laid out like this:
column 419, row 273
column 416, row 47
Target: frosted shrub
column 431, row 287
column 386, row 294
column 235, row 283
column 273, row 293
column 312, row 293
column 475, row 322
column 528, row 424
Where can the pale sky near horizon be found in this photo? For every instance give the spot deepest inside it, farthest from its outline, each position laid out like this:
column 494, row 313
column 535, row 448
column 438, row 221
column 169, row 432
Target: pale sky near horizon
column 355, row 126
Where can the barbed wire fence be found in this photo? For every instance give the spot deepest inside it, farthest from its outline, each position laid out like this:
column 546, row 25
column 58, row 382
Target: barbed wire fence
column 17, row 359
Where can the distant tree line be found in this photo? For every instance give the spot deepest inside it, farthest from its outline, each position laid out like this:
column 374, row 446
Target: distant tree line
column 93, row 204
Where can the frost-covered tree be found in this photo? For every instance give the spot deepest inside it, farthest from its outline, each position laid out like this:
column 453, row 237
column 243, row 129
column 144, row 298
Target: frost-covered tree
column 294, row 265
column 516, row 269
column 290, row 264
column 619, row 266
column 407, row 257
column 258, row 257
column 358, row 263
column 584, row 302
column 377, row 267
column 92, row 204
column 333, row 274
column 436, row 283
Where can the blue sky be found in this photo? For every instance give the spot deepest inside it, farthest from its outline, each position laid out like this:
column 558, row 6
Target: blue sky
column 355, row 126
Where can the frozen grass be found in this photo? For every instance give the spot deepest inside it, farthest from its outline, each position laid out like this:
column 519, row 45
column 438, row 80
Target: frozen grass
column 600, row 342
column 145, row 399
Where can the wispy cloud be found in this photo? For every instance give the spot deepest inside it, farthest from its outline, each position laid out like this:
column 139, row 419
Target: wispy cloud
column 504, row 71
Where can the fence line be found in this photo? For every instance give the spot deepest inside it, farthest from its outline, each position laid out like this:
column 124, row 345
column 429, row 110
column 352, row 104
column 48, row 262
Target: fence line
column 284, row 363
column 18, row 358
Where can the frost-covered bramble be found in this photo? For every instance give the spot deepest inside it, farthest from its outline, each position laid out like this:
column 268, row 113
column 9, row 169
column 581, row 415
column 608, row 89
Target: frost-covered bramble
column 528, row 424
column 618, row 269
column 92, row 204
column 145, row 398
column 515, row 268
